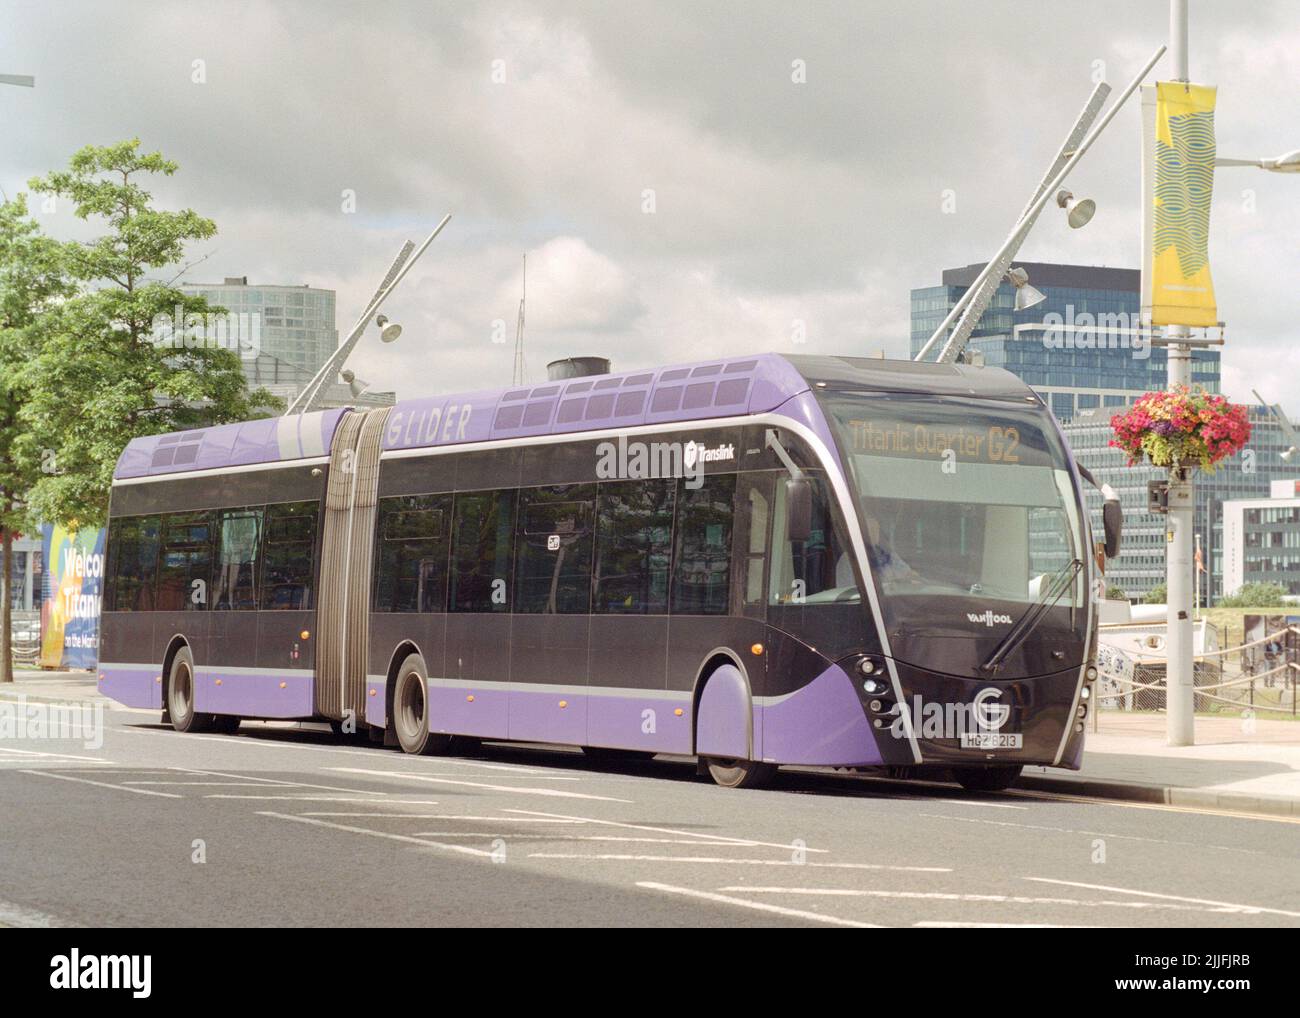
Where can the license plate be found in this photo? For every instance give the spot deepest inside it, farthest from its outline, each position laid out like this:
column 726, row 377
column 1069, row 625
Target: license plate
column 991, row 740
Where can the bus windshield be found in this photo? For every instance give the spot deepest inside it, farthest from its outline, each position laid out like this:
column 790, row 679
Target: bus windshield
column 960, row 497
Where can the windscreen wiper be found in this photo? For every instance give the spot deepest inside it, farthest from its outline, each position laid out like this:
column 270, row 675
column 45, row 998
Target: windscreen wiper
column 1061, row 582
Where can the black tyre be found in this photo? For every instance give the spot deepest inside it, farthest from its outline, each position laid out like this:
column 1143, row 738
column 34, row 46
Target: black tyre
column 180, row 695
column 987, row 779
column 741, row 773
column 225, row 724
column 411, row 710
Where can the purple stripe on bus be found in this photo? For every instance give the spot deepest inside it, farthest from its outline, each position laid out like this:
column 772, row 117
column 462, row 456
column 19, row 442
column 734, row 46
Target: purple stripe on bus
column 254, row 695
column 545, row 716
column 821, row 724
column 481, row 711
column 628, row 721
column 132, row 687
column 377, row 702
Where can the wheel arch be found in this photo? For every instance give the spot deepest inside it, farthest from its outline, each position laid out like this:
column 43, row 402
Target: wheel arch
column 713, row 660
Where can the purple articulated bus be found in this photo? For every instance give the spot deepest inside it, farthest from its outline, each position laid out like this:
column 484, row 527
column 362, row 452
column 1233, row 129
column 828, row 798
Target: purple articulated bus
column 757, row 561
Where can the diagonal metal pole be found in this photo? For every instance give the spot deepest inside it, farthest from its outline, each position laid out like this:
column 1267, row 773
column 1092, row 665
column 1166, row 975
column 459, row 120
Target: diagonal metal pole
column 979, row 303
column 396, row 273
column 324, row 375
column 1022, row 226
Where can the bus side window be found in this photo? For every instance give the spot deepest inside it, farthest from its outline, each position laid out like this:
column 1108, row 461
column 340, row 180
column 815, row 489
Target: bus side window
column 411, row 559
column 287, row 566
column 553, row 549
column 822, row 565
column 133, row 566
column 634, row 533
column 702, row 552
column 186, row 565
column 753, row 515
column 483, row 533
column 234, row 581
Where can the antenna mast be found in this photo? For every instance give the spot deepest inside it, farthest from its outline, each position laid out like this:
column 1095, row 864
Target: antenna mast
column 518, row 376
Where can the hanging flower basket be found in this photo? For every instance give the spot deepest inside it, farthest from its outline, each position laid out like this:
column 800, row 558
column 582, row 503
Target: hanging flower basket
column 1181, row 428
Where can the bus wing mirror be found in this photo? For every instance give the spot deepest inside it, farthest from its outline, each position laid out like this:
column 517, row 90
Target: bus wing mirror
column 1112, row 516
column 798, row 508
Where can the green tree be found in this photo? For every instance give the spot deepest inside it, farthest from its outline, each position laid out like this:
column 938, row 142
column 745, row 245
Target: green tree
column 33, row 279
column 1255, row 595
column 100, row 378
column 1156, row 595
column 1116, row 594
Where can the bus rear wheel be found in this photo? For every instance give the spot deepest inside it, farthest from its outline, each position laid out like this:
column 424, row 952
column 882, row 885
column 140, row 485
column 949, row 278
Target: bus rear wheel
column 741, row 773
column 411, row 710
column 987, row 779
column 180, row 695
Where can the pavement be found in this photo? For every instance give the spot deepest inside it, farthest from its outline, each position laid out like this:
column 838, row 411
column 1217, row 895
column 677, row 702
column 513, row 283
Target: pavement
column 1242, row 765
column 286, row 825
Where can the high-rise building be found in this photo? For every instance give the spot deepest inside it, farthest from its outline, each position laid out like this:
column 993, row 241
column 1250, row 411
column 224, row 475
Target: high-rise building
column 1261, row 539
column 1141, row 562
column 295, row 335
column 1077, row 348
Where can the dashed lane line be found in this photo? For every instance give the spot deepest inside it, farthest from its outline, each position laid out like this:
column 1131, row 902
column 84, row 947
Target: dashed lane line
column 1226, row 905
column 982, row 899
column 102, row 784
column 550, row 792
column 708, row 860
column 406, row 838
column 746, row 842
column 757, row 906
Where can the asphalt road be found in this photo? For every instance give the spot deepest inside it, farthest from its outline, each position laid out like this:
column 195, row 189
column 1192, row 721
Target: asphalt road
column 282, row 826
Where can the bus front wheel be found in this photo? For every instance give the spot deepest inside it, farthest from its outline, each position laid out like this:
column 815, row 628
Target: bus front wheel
column 741, row 773
column 180, row 695
column 411, row 710
column 987, row 779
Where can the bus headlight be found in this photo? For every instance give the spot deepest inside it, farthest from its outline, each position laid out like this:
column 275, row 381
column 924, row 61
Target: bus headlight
column 1085, row 692
column 1090, row 673
column 872, row 687
column 866, row 666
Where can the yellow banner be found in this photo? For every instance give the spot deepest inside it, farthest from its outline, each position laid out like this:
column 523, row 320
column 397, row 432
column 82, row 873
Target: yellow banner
column 1181, row 290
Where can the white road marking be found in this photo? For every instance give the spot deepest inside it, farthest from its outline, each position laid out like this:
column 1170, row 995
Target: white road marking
column 200, row 784
column 269, row 744
column 981, row 802
column 553, row 792
column 321, row 798
column 508, row 835
column 28, row 918
column 758, row 906
column 102, row 784
column 954, row 925
column 746, row 842
column 276, row 781
column 1226, row 905
column 436, row 816
column 1008, row 899
column 23, row 754
column 723, row 861
column 407, row 838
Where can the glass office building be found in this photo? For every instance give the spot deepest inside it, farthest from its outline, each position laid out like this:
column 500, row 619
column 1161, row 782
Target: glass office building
column 1141, row 562
column 296, row 335
column 1074, row 348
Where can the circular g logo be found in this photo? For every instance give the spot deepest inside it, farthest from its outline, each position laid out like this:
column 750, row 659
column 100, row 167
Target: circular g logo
column 990, row 716
column 690, row 453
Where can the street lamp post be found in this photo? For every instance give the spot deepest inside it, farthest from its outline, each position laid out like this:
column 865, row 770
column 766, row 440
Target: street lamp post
column 1179, row 662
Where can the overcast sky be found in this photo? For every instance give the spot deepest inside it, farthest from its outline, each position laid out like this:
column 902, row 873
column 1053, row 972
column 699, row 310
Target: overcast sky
column 773, row 201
